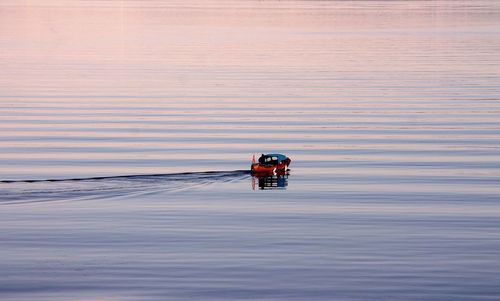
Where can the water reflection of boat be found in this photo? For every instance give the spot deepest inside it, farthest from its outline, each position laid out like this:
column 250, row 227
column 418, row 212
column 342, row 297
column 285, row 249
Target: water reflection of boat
column 278, row 181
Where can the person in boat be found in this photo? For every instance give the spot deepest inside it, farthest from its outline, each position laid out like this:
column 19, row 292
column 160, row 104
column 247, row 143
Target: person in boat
column 267, row 159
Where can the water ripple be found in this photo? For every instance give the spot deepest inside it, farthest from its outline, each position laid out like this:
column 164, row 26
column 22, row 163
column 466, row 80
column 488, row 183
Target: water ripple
column 44, row 190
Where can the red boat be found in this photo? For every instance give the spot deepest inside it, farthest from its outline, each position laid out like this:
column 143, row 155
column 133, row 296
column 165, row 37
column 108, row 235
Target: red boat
column 270, row 164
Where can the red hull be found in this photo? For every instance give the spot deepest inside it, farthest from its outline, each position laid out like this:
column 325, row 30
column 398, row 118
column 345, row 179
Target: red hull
column 258, row 168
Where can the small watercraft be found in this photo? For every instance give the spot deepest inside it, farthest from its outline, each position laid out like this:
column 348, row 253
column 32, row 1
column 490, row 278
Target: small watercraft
column 270, row 164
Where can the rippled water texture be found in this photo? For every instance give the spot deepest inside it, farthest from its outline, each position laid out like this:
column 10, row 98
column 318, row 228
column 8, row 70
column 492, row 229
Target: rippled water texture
column 127, row 128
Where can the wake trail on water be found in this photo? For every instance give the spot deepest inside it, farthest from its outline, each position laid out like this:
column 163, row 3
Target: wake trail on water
column 43, row 190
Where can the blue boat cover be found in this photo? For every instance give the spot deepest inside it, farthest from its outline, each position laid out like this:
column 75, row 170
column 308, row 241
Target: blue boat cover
column 279, row 156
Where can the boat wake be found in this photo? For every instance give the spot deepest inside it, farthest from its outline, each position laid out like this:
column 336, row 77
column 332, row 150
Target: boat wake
column 32, row 191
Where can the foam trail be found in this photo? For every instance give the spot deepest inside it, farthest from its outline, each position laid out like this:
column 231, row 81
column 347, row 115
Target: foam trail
column 43, row 190
column 139, row 176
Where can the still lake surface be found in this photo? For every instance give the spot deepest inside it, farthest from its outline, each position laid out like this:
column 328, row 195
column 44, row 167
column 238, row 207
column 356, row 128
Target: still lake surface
column 390, row 111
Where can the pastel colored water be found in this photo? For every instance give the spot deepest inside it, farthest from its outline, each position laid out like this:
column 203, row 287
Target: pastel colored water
column 126, row 128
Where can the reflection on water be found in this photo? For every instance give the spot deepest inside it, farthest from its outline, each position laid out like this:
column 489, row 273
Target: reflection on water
column 278, row 181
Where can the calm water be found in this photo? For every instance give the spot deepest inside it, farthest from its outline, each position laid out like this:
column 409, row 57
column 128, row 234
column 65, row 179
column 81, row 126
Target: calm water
column 144, row 116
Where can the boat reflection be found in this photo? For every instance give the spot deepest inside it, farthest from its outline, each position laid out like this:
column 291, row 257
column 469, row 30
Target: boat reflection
column 267, row 182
